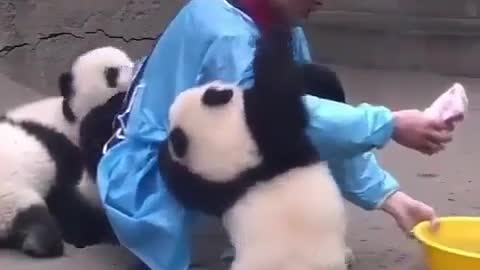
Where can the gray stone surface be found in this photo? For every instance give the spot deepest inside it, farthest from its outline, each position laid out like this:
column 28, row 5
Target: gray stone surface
column 95, row 258
column 39, row 39
column 13, row 94
column 433, row 8
column 439, row 36
column 447, row 181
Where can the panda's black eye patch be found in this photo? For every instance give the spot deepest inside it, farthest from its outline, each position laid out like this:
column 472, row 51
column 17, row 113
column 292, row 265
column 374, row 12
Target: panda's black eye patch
column 179, row 142
column 215, row 97
column 111, row 76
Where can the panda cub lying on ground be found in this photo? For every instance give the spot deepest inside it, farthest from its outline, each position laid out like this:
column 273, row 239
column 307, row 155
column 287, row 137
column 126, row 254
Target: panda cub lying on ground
column 41, row 161
column 243, row 155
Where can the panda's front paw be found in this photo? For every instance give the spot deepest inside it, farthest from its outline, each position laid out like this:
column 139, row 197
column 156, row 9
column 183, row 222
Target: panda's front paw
column 43, row 242
column 35, row 233
column 47, row 249
column 82, row 238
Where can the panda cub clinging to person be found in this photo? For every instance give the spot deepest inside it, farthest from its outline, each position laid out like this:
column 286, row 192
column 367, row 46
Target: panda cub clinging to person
column 41, row 161
column 243, row 155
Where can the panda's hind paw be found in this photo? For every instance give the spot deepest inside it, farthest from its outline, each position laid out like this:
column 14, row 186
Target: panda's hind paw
column 36, row 233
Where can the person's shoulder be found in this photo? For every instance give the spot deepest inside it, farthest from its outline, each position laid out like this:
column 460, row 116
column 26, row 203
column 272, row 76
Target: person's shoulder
column 219, row 20
column 299, row 32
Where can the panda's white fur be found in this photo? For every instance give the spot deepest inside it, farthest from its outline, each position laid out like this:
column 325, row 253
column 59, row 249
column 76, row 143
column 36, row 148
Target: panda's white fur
column 40, row 155
column 301, row 223
column 228, row 154
column 48, row 112
column 21, row 188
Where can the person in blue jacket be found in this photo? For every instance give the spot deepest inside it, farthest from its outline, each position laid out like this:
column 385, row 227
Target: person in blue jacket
column 215, row 40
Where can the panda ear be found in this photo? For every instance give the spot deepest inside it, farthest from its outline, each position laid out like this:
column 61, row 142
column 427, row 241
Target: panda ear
column 111, row 76
column 179, row 142
column 65, row 83
column 215, row 97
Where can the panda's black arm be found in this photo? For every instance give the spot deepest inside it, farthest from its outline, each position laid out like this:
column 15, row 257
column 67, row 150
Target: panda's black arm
column 81, row 223
column 95, row 130
column 322, row 82
column 193, row 191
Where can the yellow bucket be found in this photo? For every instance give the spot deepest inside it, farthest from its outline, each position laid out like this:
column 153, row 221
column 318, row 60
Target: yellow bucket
column 455, row 246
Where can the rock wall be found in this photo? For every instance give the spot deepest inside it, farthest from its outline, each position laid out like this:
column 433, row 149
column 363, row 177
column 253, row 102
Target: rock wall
column 441, row 36
column 39, row 39
column 435, row 8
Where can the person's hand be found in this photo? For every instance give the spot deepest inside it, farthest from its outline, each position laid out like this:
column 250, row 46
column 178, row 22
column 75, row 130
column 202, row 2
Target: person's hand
column 415, row 130
column 409, row 212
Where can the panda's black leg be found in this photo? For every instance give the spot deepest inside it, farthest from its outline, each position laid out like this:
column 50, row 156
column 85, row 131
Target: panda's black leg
column 81, row 224
column 322, row 82
column 35, row 232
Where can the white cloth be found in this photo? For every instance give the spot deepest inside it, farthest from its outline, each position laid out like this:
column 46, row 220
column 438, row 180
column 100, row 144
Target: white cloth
column 451, row 106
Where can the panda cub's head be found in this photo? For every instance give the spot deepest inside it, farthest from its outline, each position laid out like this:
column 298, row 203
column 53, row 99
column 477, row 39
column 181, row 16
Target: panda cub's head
column 94, row 78
column 209, row 133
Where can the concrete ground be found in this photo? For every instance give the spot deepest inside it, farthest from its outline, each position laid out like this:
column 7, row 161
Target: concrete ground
column 447, row 181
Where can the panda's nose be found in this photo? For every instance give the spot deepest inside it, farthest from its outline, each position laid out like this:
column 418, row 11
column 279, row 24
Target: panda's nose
column 217, row 97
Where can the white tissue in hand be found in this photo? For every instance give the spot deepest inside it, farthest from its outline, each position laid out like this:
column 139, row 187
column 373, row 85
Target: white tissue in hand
column 451, row 106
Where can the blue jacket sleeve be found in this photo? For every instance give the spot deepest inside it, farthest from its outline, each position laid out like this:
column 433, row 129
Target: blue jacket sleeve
column 342, row 131
column 362, row 181
column 344, row 136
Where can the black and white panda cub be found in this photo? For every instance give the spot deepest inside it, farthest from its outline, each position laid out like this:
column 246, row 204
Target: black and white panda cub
column 41, row 161
column 107, row 72
column 243, row 155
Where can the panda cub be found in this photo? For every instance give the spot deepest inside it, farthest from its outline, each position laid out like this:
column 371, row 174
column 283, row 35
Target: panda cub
column 105, row 75
column 41, row 161
column 243, row 155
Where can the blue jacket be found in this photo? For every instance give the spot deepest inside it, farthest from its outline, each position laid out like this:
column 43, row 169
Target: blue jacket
column 210, row 40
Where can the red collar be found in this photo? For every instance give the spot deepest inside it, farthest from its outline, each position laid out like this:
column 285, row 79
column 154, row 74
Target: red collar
column 261, row 12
